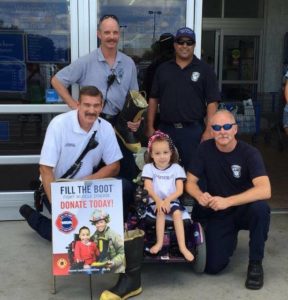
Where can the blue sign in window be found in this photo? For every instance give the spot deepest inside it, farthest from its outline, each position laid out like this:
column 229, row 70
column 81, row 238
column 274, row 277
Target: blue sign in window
column 4, row 131
column 48, row 48
column 12, row 77
column 11, row 46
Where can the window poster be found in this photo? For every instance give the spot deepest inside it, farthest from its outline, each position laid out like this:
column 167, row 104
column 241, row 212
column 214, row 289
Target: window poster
column 45, row 26
column 12, row 77
column 11, row 46
column 48, row 48
column 87, row 227
column 12, row 67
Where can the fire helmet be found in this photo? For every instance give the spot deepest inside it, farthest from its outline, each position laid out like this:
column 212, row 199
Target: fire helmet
column 98, row 215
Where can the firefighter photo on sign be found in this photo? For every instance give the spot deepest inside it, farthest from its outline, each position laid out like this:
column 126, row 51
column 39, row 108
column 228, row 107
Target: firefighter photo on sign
column 110, row 243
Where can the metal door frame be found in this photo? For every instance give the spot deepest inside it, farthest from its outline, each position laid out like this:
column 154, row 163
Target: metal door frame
column 83, row 16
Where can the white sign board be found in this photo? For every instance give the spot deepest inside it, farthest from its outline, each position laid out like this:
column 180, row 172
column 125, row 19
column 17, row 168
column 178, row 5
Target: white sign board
column 87, row 227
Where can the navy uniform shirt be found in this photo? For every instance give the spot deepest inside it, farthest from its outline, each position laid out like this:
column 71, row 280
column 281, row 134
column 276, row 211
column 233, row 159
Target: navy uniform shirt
column 227, row 173
column 183, row 94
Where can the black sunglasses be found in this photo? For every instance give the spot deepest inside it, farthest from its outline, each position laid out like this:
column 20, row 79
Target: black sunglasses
column 104, row 17
column 187, row 42
column 226, row 127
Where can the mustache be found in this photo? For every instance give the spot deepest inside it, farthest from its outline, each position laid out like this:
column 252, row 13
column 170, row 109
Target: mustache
column 91, row 115
column 223, row 136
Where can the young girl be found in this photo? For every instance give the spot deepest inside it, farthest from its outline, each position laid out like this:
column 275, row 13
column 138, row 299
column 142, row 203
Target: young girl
column 163, row 179
column 85, row 250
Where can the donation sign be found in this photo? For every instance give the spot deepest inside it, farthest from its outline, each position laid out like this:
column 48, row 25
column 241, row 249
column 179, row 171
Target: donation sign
column 87, row 227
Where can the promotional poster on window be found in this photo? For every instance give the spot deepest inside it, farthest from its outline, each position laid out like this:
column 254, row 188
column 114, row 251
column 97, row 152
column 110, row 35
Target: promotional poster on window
column 87, row 227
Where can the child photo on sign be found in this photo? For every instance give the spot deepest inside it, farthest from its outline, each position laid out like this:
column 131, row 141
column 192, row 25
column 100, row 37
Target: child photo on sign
column 86, row 251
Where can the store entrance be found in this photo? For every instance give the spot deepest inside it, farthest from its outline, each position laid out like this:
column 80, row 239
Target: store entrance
column 235, row 59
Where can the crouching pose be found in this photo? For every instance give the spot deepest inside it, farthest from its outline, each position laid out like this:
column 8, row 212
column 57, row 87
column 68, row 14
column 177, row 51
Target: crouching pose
column 66, row 137
column 237, row 186
column 163, row 179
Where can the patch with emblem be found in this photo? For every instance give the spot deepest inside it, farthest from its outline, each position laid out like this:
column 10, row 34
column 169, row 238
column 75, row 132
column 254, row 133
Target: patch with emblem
column 195, row 76
column 62, row 263
column 66, row 222
column 236, row 171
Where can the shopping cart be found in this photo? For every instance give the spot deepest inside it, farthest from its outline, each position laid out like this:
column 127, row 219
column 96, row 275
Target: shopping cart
column 247, row 116
column 271, row 118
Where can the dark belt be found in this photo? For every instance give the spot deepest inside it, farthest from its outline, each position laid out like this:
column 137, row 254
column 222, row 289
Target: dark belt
column 110, row 118
column 183, row 124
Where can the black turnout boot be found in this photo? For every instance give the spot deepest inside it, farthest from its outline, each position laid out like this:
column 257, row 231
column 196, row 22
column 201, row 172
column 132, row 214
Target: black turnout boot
column 255, row 276
column 129, row 283
column 133, row 109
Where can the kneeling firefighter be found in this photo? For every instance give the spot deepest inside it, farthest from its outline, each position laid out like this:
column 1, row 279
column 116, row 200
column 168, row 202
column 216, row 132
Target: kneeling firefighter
column 132, row 111
column 129, row 283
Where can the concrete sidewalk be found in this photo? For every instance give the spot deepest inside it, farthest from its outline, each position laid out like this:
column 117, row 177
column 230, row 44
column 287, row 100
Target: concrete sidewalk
column 26, row 271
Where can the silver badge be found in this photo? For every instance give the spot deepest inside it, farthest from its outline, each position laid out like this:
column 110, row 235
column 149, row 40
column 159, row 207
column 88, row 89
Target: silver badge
column 195, row 76
column 236, row 171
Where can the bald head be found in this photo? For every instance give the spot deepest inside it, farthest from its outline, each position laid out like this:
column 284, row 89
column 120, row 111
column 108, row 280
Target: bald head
column 223, row 113
column 108, row 19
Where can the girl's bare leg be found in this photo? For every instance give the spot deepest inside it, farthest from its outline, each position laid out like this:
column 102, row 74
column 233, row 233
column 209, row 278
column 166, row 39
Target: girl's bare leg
column 160, row 227
column 180, row 234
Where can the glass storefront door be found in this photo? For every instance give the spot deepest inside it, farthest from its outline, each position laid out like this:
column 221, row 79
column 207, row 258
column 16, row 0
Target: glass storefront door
column 39, row 37
column 240, row 67
column 34, row 44
column 235, row 59
column 210, row 49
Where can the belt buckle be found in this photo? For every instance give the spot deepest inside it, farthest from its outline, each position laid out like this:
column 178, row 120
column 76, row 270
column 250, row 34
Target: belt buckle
column 109, row 117
column 178, row 125
column 106, row 116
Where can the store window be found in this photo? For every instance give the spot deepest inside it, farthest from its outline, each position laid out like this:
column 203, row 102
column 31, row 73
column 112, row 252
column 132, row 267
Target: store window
column 238, row 92
column 34, row 43
column 243, row 9
column 142, row 23
column 212, row 8
column 240, row 67
column 233, row 8
column 240, row 58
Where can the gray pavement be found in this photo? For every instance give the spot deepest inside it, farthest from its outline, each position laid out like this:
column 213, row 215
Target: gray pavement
column 26, row 271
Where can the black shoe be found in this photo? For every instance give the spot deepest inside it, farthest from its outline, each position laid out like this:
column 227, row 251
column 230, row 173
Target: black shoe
column 255, row 276
column 26, row 211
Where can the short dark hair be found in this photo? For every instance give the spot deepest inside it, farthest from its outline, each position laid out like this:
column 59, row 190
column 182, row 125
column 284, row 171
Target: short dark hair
column 84, row 227
column 90, row 90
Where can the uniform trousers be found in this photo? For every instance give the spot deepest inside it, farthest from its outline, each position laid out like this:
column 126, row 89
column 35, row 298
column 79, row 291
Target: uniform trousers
column 222, row 229
column 185, row 138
